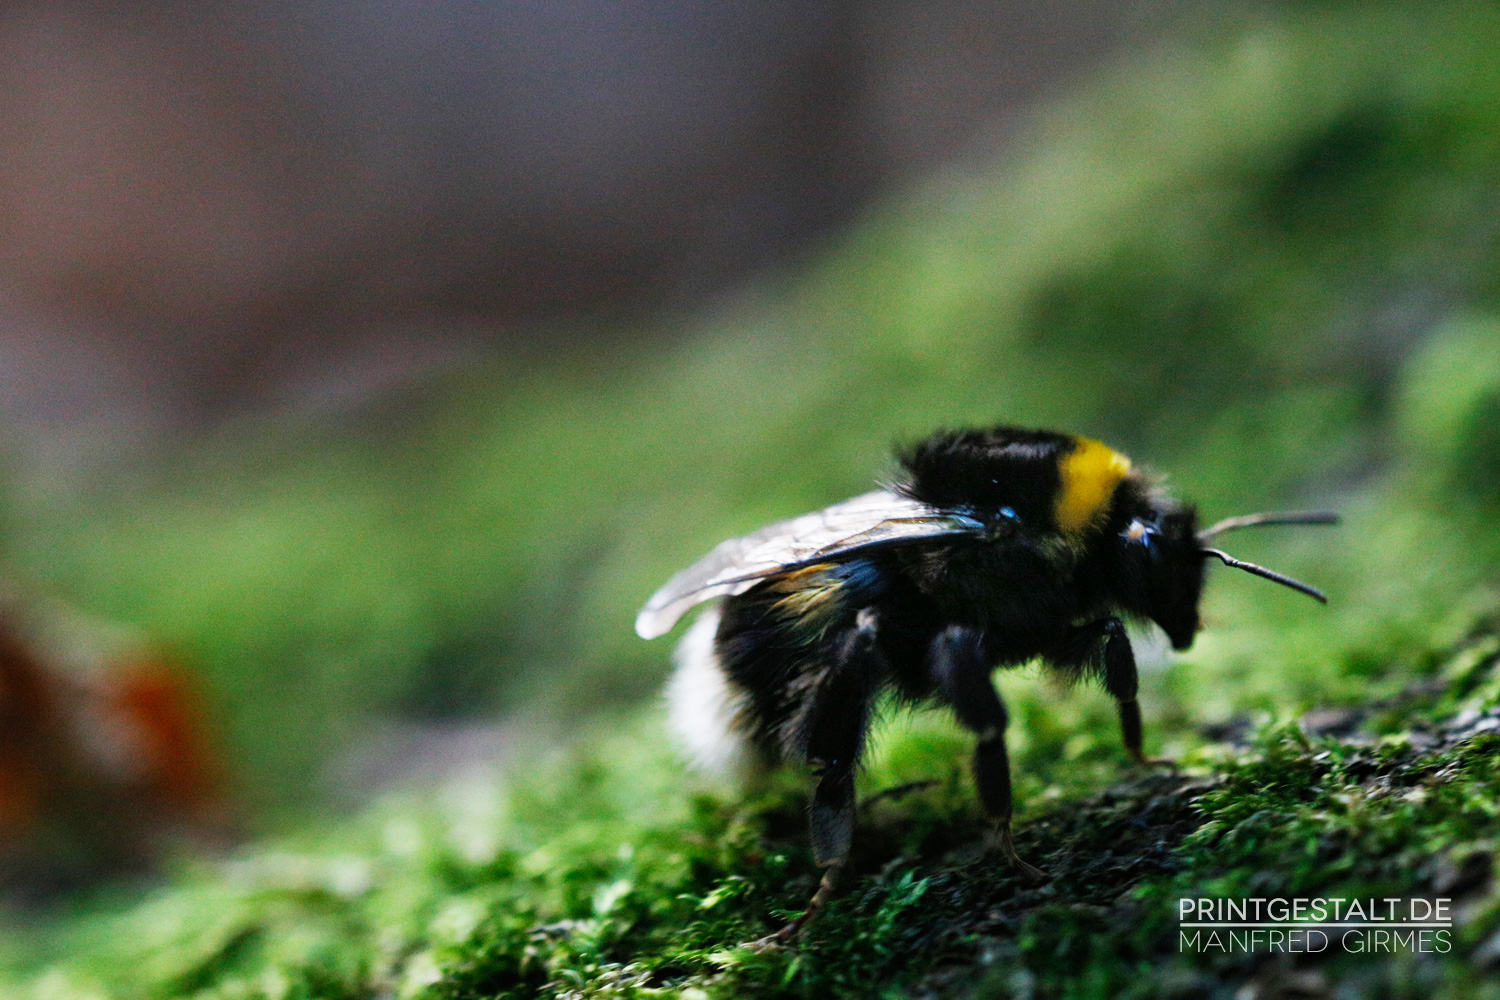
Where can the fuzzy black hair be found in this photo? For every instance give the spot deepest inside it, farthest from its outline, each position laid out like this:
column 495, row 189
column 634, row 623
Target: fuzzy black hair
column 987, row 469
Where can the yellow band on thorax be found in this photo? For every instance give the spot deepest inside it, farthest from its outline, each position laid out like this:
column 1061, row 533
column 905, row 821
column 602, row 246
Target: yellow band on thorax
column 1089, row 473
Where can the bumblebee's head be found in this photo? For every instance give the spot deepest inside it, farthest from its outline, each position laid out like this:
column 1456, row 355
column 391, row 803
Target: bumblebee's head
column 1161, row 566
column 1160, row 554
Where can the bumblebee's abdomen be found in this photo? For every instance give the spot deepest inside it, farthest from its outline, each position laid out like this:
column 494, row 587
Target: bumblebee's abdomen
column 705, row 711
column 773, row 644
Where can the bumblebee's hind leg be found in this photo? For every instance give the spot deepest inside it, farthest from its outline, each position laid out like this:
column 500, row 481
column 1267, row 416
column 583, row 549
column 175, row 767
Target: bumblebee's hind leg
column 961, row 672
column 831, row 734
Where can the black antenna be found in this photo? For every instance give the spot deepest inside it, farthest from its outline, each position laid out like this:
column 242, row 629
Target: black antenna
column 1269, row 574
column 1255, row 520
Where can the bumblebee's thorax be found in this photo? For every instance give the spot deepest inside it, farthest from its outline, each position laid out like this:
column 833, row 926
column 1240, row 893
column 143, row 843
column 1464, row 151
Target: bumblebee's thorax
column 1035, row 482
column 971, row 576
column 1088, row 477
column 1047, row 501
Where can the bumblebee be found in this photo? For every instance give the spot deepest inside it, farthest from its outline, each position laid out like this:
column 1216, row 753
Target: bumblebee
column 991, row 548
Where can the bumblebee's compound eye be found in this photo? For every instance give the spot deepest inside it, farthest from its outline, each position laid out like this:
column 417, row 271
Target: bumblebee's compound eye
column 1009, row 514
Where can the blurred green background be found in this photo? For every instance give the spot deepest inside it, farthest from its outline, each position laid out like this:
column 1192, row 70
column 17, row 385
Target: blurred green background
column 1261, row 260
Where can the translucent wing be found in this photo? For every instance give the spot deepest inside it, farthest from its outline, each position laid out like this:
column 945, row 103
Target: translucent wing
column 873, row 520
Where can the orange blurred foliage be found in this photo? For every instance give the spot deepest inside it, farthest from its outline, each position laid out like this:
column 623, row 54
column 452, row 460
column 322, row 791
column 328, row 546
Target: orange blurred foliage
column 100, row 769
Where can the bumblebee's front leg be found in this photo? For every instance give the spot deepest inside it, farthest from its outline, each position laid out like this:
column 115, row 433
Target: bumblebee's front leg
column 1120, row 677
column 961, row 672
column 833, row 732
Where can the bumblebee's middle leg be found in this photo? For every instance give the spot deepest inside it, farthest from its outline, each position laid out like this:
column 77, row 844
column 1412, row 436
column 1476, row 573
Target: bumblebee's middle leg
column 1119, row 673
column 833, row 732
column 961, row 671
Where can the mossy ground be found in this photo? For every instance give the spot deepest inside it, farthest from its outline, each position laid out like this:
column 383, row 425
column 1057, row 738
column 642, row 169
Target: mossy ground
column 597, row 876
column 1266, row 260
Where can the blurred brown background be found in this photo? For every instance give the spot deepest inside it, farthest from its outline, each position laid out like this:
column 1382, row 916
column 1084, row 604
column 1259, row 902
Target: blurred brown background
column 208, row 209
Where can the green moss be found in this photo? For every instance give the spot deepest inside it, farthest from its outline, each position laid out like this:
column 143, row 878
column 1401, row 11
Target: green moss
column 601, row 873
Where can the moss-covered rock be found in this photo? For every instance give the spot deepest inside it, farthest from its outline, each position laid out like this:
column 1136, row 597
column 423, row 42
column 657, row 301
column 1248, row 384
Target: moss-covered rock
column 599, row 875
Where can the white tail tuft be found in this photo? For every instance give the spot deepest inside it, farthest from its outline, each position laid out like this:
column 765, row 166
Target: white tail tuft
column 703, row 708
